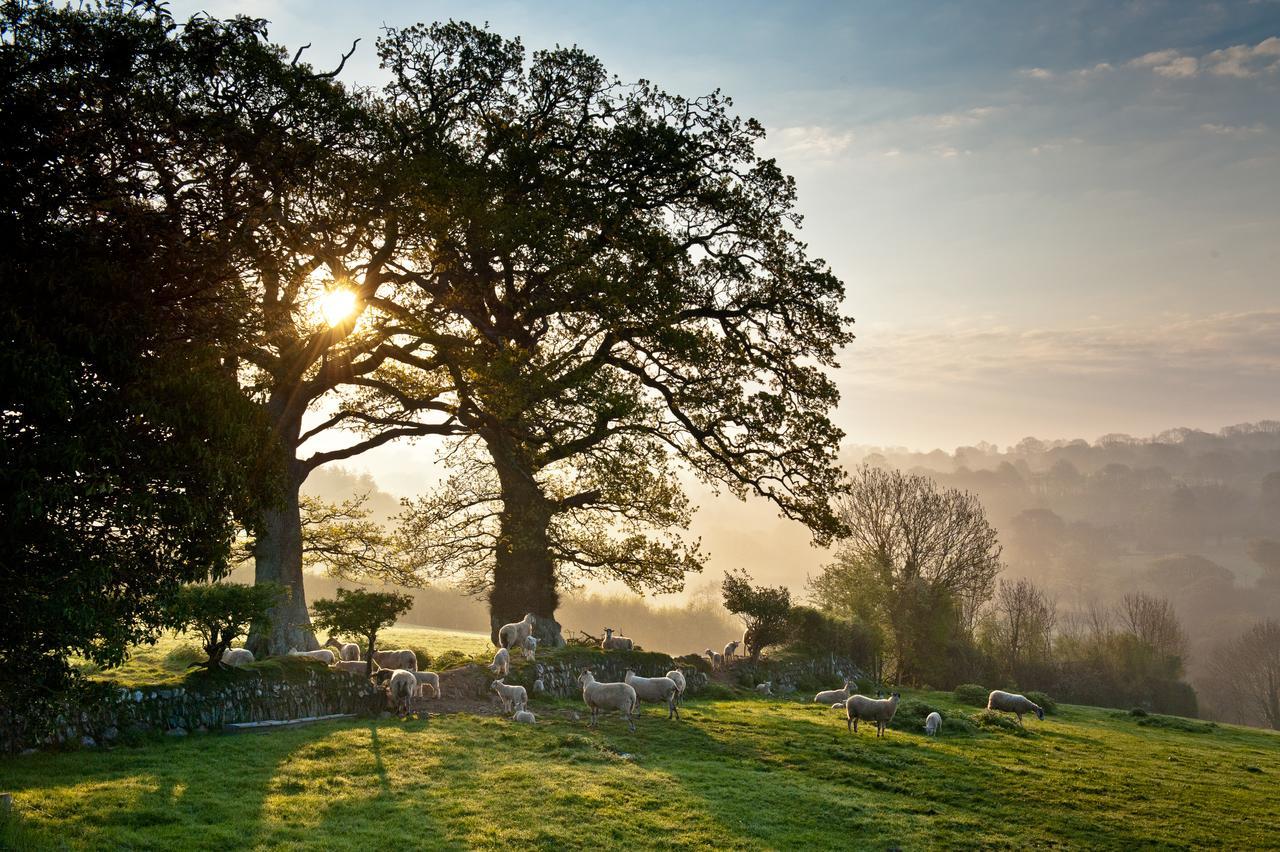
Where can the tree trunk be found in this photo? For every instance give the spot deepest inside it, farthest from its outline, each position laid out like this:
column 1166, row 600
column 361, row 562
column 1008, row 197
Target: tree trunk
column 524, row 578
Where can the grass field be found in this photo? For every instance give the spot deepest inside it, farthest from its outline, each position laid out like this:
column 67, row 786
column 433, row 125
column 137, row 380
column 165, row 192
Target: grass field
column 746, row 773
column 166, row 661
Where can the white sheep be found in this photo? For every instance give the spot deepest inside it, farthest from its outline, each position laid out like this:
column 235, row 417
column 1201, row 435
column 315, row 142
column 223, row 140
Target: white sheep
column 426, row 679
column 324, row 655
column 346, row 650
column 530, row 646
column 401, row 687
column 401, row 659
column 513, row 697
column 501, row 664
column 932, row 723
column 615, row 643
column 1012, row 702
column 354, row 666
column 538, row 686
column 608, row 696
column 513, row 635
column 765, row 688
column 237, row 657
column 659, row 690
column 878, row 710
column 681, row 684
column 830, row 696
column 524, row 716
column 731, row 649
column 716, row 658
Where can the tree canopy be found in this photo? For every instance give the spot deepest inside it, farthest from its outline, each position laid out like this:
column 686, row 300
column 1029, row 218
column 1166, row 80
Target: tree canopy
column 357, row 612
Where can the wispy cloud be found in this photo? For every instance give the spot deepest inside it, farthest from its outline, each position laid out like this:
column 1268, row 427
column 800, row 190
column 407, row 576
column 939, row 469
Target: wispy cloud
column 812, row 142
column 1241, row 60
column 1236, row 130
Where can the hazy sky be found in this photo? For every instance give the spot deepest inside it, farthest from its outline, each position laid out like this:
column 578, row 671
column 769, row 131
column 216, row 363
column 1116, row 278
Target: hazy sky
column 1055, row 219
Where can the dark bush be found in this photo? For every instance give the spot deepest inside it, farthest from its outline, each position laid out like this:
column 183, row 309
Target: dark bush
column 1047, row 704
column 972, row 694
column 911, row 714
column 1175, row 723
column 451, row 660
column 815, row 632
column 1138, row 711
column 991, row 720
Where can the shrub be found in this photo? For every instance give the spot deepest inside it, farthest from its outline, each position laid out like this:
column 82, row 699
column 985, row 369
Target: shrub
column 1175, row 723
column 816, row 632
column 220, row 613
column 182, row 656
column 451, row 660
column 911, row 714
column 1139, row 712
column 717, row 691
column 356, row 612
column 958, row 724
column 972, row 694
column 1047, row 704
column 992, row 721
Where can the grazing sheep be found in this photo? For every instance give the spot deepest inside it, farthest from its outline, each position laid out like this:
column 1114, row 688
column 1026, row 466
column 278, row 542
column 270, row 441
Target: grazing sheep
column 513, row 697
column 659, row 690
column 608, row 696
column 524, row 716
column 323, row 655
column 513, row 635
column 932, row 723
column 530, row 647
column 765, row 688
column 717, row 659
column 237, row 657
column 346, row 650
column 401, row 687
column 615, row 643
column 1011, row 702
column 830, row 696
column 401, row 659
column 426, row 679
column 501, row 664
column 677, row 677
column 878, row 710
column 354, row 666
column 731, row 649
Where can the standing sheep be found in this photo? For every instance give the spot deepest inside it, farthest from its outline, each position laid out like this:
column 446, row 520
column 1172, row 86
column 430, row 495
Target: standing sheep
column 878, row 710
column 1011, row 702
column 832, row 696
column 401, row 659
column 608, row 696
column 237, row 657
column 615, row 643
column 677, row 677
column 401, row 686
column 426, row 679
column 346, row 650
column 730, row 650
column 513, row 635
column 513, row 697
column 932, row 723
column 716, row 658
column 501, row 664
column 658, row 690
column 530, row 646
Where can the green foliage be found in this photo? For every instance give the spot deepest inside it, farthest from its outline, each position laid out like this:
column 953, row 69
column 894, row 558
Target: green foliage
column 992, row 720
column 220, row 613
column 911, row 714
column 1138, row 712
column 358, row 612
column 1047, row 704
column 451, row 660
column 815, row 632
column 1177, row 723
column 765, row 609
column 972, row 694
column 180, row 657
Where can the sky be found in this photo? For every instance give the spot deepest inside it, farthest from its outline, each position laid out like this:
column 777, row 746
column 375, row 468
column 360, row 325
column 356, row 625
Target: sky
column 1058, row 219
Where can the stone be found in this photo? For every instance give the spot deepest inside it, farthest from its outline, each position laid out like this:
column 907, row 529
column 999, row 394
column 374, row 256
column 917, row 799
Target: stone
column 110, row 733
column 176, row 732
column 87, row 741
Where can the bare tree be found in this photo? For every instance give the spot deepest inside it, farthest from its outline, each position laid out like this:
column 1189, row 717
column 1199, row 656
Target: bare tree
column 1021, row 623
column 1154, row 622
column 1246, row 670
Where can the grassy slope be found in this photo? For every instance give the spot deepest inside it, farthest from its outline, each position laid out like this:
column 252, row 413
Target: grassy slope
column 748, row 773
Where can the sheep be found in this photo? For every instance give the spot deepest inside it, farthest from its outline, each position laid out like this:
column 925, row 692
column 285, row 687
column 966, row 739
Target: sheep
column 832, row 695
column 878, row 710
column 717, row 659
column 501, row 664
column 524, row 716
column 615, row 643
column 237, row 657
column 513, row 635
column 354, row 666
column 655, row 689
column 538, row 686
column 426, row 679
column 731, row 649
column 608, row 696
column 323, row 655
column 765, row 688
column 401, row 687
column 346, row 650
column 513, row 697
column 1011, row 702
column 530, row 646
column 677, row 677
column 932, row 723
column 401, row 659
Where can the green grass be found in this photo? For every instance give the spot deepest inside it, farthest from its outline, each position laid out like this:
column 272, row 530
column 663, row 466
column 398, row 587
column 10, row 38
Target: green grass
column 752, row 773
column 165, row 662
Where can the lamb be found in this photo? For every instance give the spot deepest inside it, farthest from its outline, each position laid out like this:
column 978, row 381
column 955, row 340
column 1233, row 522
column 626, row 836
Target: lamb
column 932, row 723
column 878, row 710
column 615, row 643
column 426, row 679
column 655, row 689
column 323, row 655
column 346, row 650
column 524, row 716
column 501, row 664
column 530, row 646
column 513, row 635
column 677, row 677
column 717, row 660
column 765, row 688
column 401, row 659
column 608, row 696
column 830, row 696
column 237, row 657
column 730, row 649
column 1011, row 702
column 354, row 666
column 513, row 697
column 401, row 687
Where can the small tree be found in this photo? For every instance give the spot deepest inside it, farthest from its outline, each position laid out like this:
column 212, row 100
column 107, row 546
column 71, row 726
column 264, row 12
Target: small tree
column 356, row 612
column 221, row 613
column 764, row 610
